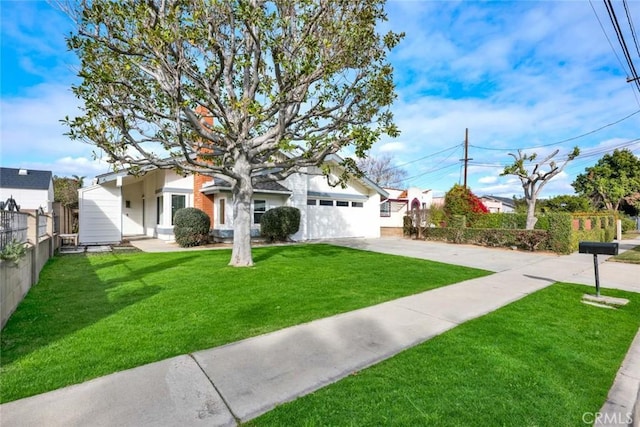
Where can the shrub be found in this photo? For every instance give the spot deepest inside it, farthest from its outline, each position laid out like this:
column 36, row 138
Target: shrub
column 437, row 215
column 407, row 226
column 191, row 227
column 560, row 230
column 461, row 201
column 13, row 251
column 628, row 224
column 279, row 223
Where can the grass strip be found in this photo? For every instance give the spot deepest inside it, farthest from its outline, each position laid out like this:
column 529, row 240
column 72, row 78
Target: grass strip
column 92, row 315
column 631, row 256
column 546, row 360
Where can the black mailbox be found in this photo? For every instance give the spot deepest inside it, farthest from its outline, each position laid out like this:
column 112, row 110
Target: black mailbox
column 598, row 248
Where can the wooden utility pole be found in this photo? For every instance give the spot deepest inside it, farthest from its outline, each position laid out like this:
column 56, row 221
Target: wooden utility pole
column 466, row 154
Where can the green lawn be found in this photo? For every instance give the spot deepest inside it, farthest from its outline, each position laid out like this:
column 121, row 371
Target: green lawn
column 92, row 315
column 542, row 361
column 632, row 256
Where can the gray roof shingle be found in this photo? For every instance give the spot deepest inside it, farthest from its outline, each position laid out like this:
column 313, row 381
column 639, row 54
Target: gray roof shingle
column 33, row 180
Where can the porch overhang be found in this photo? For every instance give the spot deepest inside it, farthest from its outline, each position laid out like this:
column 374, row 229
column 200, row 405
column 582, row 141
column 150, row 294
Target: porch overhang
column 220, row 186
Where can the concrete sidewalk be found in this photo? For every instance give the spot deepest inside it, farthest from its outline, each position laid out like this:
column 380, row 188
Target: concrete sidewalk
column 242, row 380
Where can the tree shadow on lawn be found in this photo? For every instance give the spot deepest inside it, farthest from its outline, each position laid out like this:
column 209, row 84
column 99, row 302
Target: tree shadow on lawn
column 71, row 296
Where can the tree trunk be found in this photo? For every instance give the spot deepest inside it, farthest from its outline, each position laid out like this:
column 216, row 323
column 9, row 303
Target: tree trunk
column 242, row 195
column 531, row 211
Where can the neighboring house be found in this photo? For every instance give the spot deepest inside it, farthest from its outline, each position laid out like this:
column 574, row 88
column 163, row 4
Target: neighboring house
column 400, row 202
column 438, row 202
column 31, row 189
column 120, row 205
column 497, row 204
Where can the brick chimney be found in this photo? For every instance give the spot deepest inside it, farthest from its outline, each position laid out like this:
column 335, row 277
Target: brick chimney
column 202, row 201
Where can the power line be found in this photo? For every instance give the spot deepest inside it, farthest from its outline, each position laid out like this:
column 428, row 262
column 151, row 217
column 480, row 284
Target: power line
column 564, row 140
column 635, row 95
column 607, row 37
column 394, row 167
column 631, row 27
column 423, row 158
column 588, row 154
column 412, row 178
column 625, row 50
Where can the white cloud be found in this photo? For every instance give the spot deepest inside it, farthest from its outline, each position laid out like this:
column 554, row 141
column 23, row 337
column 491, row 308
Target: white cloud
column 488, row 180
column 391, row 147
column 33, row 136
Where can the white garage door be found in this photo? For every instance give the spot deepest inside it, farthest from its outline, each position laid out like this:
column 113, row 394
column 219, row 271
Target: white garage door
column 100, row 215
column 335, row 219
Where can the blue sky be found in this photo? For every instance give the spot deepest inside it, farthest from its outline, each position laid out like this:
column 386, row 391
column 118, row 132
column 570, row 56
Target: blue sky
column 519, row 75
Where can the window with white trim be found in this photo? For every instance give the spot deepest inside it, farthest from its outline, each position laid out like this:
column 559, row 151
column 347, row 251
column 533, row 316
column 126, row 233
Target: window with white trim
column 159, row 210
column 385, row 208
column 221, row 212
column 178, row 201
column 259, row 208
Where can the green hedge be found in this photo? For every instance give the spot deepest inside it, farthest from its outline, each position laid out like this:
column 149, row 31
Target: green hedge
column 502, row 221
column 553, row 231
column 524, row 239
column 191, row 227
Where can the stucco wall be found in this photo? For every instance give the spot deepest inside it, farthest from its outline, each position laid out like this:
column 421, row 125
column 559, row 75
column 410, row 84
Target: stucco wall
column 15, row 282
column 17, row 278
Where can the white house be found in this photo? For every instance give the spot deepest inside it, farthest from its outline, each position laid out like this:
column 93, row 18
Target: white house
column 497, row 204
column 31, row 189
column 120, row 205
column 400, row 202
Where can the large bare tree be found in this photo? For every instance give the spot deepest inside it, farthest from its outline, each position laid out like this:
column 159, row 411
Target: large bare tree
column 533, row 180
column 242, row 90
column 382, row 171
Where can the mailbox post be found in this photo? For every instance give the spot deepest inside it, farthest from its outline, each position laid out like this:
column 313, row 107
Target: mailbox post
column 597, row 248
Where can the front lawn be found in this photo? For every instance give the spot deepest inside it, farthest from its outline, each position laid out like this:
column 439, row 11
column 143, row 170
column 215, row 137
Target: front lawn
column 545, row 360
column 91, row 315
column 632, row 256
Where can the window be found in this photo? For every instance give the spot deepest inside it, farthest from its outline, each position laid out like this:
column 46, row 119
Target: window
column 221, row 211
column 159, row 210
column 385, row 208
column 259, row 208
column 357, row 204
column 342, row 203
column 178, row 201
column 311, row 202
column 326, row 202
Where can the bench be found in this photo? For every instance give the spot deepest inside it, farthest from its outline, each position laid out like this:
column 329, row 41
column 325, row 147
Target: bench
column 69, row 238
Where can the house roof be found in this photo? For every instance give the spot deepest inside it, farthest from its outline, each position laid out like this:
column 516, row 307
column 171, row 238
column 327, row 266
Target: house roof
column 217, row 185
column 262, row 188
column 366, row 181
column 29, row 180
